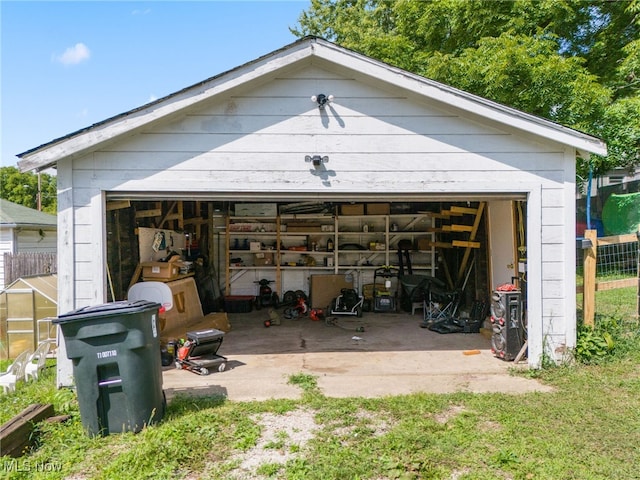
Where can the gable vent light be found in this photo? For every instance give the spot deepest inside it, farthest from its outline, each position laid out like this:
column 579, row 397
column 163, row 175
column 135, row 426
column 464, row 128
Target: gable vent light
column 317, row 160
column 322, row 99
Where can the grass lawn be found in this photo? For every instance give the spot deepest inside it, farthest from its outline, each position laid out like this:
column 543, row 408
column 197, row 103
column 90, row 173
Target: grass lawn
column 588, row 428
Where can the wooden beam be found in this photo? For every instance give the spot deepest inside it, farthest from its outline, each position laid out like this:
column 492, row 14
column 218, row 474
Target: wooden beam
column 136, row 276
column 464, row 210
column 589, row 296
column 613, row 284
column 472, row 237
column 461, row 228
column 196, row 221
column 167, row 215
column 521, row 354
column 627, row 238
column 156, row 212
column 445, row 267
column 181, row 215
column 440, row 244
column 16, row 435
column 450, row 213
column 117, row 204
column 462, row 243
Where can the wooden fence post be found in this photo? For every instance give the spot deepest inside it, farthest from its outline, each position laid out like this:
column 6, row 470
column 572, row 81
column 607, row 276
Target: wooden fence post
column 638, row 270
column 589, row 295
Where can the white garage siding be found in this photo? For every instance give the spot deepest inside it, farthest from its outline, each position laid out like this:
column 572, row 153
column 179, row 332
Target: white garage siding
column 388, row 134
column 378, row 143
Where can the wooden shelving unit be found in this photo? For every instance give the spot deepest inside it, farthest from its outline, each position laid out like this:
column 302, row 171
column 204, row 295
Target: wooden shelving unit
column 325, row 244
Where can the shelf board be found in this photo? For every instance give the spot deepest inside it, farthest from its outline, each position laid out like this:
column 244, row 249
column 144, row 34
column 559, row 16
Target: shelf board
column 241, row 251
column 381, row 252
column 244, row 234
column 287, row 233
column 305, row 267
column 307, row 216
column 304, row 252
column 253, row 267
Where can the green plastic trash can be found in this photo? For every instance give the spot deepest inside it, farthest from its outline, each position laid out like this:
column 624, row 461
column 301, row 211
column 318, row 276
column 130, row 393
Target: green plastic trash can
column 115, row 349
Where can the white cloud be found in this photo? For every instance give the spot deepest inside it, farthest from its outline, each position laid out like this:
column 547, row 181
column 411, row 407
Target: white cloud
column 152, row 98
column 141, row 12
column 83, row 113
column 74, row 55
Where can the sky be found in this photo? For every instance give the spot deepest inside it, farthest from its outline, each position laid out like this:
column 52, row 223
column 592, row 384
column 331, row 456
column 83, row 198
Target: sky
column 67, row 65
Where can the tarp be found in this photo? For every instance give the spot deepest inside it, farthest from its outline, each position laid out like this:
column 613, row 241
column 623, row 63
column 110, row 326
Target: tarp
column 621, row 214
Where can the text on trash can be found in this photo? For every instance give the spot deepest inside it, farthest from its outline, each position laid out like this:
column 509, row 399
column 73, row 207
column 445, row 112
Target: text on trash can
column 107, row 354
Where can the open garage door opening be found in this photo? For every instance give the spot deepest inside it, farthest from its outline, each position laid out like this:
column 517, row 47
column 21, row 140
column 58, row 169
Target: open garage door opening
column 440, row 263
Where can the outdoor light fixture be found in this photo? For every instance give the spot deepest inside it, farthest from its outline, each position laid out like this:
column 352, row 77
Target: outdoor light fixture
column 322, row 99
column 317, row 160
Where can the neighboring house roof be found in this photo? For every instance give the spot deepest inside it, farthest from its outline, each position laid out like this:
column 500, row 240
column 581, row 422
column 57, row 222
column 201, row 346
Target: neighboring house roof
column 301, row 52
column 14, row 215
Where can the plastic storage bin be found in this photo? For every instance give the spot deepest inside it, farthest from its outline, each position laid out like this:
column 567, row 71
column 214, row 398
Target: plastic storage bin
column 238, row 303
column 115, row 349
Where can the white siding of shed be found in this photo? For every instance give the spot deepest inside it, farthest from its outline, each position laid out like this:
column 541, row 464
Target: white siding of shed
column 253, row 142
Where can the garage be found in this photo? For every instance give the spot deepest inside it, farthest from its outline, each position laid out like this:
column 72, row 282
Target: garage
column 258, row 167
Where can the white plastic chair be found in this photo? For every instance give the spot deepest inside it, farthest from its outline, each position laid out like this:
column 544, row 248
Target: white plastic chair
column 158, row 292
column 15, row 372
column 37, row 361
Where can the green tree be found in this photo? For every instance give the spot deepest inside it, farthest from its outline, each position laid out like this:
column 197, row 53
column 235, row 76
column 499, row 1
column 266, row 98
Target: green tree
column 22, row 188
column 575, row 62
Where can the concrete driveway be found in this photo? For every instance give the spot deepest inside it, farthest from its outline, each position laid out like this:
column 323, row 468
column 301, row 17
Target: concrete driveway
column 392, row 356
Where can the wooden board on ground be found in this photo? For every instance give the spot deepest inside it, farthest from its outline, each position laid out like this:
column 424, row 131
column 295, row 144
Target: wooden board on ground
column 16, row 435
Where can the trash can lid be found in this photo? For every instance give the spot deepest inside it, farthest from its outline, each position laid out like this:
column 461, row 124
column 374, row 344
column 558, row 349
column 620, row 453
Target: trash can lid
column 120, row 308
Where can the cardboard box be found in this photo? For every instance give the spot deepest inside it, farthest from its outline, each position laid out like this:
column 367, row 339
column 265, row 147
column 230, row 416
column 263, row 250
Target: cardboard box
column 352, row 209
column 423, row 244
column 255, row 246
column 186, row 304
column 263, row 258
column 378, row 209
column 160, row 270
column 218, row 320
column 256, row 209
column 324, row 288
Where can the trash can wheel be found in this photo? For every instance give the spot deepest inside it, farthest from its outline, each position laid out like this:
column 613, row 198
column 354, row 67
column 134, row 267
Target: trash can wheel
column 222, row 367
column 203, row 371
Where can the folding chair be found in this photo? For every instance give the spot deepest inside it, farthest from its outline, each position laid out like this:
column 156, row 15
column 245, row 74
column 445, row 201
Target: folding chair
column 15, row 372
column 37, row 361
column 440, row 305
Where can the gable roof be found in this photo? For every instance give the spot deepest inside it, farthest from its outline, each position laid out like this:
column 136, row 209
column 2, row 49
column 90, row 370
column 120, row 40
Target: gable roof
column 14, row 215
column 308, row 49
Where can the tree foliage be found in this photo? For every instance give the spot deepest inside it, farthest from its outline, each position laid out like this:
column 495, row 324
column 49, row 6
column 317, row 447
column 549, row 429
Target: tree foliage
column 22, row 188
column 574, row 62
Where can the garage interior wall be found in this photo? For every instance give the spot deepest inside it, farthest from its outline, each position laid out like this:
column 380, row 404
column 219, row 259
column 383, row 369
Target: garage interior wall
column 203, row 225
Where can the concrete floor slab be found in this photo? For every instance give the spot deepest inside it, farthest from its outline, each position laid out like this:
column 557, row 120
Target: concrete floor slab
column 377, row 355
